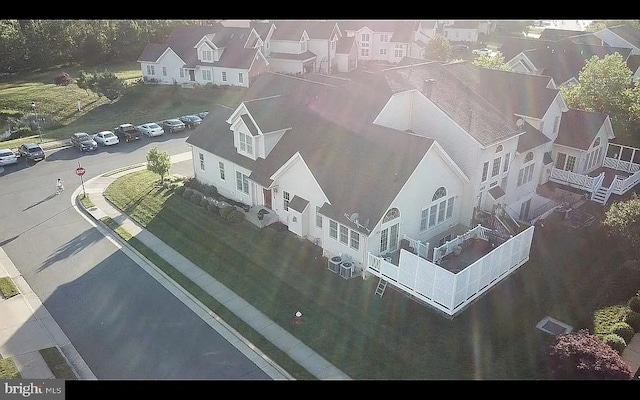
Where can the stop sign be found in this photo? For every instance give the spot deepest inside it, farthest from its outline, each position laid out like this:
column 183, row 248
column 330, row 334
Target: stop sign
column 80, row 171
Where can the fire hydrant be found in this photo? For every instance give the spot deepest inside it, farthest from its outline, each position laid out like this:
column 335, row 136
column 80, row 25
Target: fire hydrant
column 298, row 319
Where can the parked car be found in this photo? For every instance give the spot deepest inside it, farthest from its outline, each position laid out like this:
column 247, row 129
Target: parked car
column 202, row 114
column 83, row 142
column 483, row 52
column 127, row 132
column 31, row 152
column 106, row 138
column 7, row 157
column 191, row 121
column 460, row 48
column 151, row 129
column 173, row 125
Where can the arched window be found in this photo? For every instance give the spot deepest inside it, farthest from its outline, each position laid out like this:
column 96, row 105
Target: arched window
column 441, row 192
column 440, row 210
column 528, row 157
column 596, row 143
column 391, row 214
column 525, row 175
column 499, row 149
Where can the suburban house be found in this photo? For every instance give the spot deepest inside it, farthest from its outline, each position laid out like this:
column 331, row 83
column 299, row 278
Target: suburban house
column 195, row 54
column 562, row 59
column 562, row 54
column 300, row 46
column 234, row 52
column 382, row 40
column 625, row 37
column 395, row 172
column 621, row 36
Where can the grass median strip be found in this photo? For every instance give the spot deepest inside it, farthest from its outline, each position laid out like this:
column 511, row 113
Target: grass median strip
column 58, row 364
column 7, row 287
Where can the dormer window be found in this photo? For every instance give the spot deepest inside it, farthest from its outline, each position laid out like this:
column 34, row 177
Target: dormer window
column 207, row 55
column 246, row 143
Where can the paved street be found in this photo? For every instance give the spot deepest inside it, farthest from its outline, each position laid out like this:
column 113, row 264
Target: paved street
column 123, row 323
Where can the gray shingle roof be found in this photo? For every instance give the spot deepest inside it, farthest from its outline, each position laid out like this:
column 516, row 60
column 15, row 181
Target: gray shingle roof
column 343, row 155
column 461, row 101
column 578, row 128
column 510, row 92
column 183, row 39
column 628, row 33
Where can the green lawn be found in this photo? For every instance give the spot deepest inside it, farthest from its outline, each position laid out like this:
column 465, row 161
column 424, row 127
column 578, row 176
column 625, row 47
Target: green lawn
column 571, row 274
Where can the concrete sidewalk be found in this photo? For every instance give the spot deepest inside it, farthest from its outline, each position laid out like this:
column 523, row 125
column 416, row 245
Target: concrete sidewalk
column 631, row 354
column 281, row 338
column 26, row 327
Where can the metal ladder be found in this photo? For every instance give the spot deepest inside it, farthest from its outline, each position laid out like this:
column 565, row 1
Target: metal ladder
column 382, row 285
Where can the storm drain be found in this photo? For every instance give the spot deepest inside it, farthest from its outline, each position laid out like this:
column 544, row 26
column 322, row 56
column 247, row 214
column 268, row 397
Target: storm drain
column 552, row 326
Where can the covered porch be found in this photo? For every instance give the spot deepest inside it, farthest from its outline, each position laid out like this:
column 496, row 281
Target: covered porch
column 620, row 171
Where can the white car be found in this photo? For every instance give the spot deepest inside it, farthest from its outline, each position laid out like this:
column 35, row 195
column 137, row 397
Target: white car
column 151, row 129
column 7, row 156
column 483, row 52
column 106, row 138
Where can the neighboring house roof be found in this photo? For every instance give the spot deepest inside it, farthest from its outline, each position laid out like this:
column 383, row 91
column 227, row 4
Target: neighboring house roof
column 627, row 33
column 183, row 39
column 261, row 28
column 554, row 34
column 565, row 59
column 512, row 46
column 345, row 44
column 633, row 62
column 578, row 128
column 316, row 29
column 464, row 105
column 152, row 52
column 288, row 30
column 510, row 92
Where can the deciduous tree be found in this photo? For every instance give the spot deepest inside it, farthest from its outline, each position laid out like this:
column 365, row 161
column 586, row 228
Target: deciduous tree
column 622, row 220
column 158, row 162
column 605, row 85
column 438, row 48
column 580, row 355
column 494, row 62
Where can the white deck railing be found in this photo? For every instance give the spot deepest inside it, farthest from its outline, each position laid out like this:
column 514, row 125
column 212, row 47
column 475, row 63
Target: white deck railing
column 447, row 291
column 421, row 249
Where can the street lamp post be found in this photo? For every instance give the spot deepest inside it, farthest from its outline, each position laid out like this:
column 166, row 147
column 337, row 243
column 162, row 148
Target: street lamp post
column 33, row 105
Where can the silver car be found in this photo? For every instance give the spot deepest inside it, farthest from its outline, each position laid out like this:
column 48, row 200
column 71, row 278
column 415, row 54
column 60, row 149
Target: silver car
column 7, row 157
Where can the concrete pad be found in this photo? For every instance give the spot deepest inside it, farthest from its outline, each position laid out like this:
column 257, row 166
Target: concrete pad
column 15, row 312
column 23, row 339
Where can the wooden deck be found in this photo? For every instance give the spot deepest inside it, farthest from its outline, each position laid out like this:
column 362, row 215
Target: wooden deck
column 475, row 250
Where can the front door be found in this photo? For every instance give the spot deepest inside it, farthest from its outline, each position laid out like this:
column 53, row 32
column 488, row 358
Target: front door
column 524, row 210
column 267, row 198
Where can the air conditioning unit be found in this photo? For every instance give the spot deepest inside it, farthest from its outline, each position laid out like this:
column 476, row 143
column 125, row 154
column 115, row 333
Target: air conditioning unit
column 346, row 269
column 334, row 264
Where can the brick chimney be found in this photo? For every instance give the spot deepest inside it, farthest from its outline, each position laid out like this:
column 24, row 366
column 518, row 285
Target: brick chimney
column 427, row 87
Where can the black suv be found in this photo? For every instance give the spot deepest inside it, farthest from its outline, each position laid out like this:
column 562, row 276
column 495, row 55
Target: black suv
column 83, row 142
column 31, row 152
column 127, row 132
